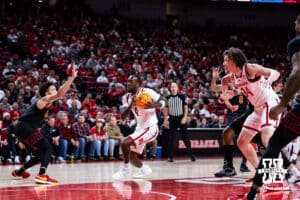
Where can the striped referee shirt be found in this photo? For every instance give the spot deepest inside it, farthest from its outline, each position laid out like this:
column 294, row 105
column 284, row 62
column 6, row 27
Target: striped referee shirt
column 176, row 105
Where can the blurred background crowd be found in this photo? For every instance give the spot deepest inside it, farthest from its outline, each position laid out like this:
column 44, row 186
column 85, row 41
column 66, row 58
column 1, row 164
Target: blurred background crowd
column 40, row 47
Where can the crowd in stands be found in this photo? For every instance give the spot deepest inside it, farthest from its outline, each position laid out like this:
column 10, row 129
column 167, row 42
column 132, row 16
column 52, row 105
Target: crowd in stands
column 86, row 124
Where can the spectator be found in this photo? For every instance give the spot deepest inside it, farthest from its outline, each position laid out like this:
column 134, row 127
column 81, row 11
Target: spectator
column 2, row 94
column 102, row 78
column 8, row 70
column 203, row 123
column 220, row 122
column 4, row 147
column 74, row 110
column 125, row 128
column 16, row 147
column 12, row 36
column 101, row 136
column 82, row 129
column 150, row 150
column 69, row 138
column 92, row 62
column 52, row 133
column 115, row 83
column 114, row 95
column 21, row 106
column 115, row 137
column 74, row 98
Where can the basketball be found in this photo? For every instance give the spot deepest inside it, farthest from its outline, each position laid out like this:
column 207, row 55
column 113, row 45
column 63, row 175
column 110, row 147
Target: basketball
column 143, row 99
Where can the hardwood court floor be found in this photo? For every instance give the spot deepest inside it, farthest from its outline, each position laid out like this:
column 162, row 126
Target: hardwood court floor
column 182, row 179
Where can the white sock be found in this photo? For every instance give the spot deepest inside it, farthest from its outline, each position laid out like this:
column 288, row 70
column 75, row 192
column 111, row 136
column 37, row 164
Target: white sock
column 126, row 165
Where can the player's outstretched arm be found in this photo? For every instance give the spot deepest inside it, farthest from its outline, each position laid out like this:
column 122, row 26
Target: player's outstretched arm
column 258, row 70
column 46, row 100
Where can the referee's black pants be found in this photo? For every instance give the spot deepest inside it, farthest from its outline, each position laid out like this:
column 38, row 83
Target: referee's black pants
column 174, row 125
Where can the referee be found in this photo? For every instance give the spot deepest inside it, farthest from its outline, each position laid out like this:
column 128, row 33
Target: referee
column 175, row 117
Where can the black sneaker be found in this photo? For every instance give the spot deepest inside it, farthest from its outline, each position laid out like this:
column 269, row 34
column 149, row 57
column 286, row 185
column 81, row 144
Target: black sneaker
column 170, row 160
column 193, row 158
column 152, row 156
column 226, row 172
column 244, row 168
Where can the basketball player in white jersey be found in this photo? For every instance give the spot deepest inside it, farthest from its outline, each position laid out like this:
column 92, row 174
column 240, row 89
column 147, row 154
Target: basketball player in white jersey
column 254, row 81
column 146, row 128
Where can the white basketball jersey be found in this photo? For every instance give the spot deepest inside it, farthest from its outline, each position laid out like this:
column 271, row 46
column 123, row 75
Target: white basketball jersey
column 258, row 91
column 144, row 117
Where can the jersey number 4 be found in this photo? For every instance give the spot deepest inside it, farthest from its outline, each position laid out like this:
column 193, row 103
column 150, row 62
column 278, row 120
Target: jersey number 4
column 246, row 92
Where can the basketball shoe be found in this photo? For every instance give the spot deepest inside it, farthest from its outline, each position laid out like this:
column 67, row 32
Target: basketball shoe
column 244, row 167
column 45, row 179
column 144, row 171
column 227, row 171
column 23, row 175
column 293, row 176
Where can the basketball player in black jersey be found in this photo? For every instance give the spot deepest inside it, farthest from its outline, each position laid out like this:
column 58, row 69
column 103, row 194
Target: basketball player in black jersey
column 26, row 130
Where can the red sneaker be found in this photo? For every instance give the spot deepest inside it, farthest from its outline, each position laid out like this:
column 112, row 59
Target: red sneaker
column 45, row 179
column 277, row 186
column 23, row 175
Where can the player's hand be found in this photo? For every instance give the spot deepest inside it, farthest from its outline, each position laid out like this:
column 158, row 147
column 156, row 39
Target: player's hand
column 183, row 120
column 74, row 71
column 166, row 123
column 215, row 73
column 151, row 105
column 55, row 141
column 275, row 111
column 227, row 95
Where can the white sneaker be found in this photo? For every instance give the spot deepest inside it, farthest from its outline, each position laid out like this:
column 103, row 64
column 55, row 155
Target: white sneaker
column 9, row 160
column 143, row 172
column 294, row 179
column 17, row 159
column 122, row 173
column 27, row 158
column 60, row 159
